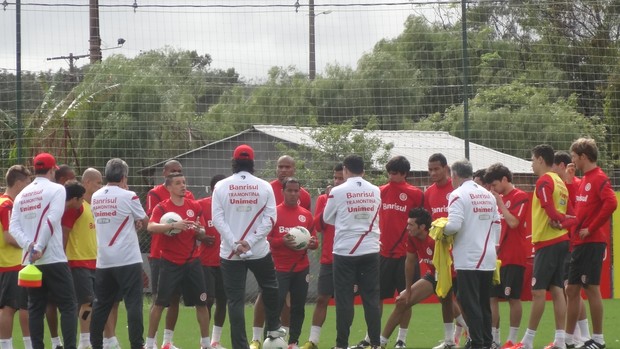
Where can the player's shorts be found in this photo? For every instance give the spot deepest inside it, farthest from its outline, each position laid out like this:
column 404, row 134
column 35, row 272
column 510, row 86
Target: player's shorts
column 154, row 263
column 586, row 264
column 548, row 266
column 392, row 276
column 430, row 277
column 187, row 277
column 84, row 284
column 214, row 282
column 511, row 277
column 12, row 295
column 326, row 280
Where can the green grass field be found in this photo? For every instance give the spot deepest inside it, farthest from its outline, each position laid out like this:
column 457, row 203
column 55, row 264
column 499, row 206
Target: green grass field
column 425, row 329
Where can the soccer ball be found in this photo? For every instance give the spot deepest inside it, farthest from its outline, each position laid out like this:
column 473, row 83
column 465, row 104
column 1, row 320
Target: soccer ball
column 275, row 343
column 171, row 217
column 301, row 236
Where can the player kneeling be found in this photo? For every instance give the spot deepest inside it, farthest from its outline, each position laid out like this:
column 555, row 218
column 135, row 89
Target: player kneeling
column 419, row 246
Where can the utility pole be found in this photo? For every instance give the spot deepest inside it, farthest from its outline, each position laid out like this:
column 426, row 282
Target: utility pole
column 95, row 38
column 311, row 40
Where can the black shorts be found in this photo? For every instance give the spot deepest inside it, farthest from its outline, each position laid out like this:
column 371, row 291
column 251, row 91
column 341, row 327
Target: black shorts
column 12, row 295
column 187, row 277
column 84, row 285
column 214, row 282
column 548, row 266
column 511, row 284
column 392, row 276
column 154, row 263
column 430, row 277
column 586, row 263
column 326, row 280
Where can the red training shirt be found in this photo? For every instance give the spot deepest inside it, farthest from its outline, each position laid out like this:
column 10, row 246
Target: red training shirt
column 436, row 199
column 513, row 245
column 327, row 231
column 304, row 197
column 155, row 196
column 284, row 258
column 595, row 203
column 397, row 199
column 182, row 247
column 209, row 254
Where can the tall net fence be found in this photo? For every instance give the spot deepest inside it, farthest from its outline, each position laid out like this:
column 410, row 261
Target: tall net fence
column 192, row 79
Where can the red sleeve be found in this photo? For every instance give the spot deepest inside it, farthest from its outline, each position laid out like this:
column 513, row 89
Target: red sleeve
column 519, row 208
column 275, row 239
column 608, row 198
column 544, row 192
column 152, row 199
column 158, row 211
column 70, row 216
column 5, row 216
column 319, row 208
column 201, row 218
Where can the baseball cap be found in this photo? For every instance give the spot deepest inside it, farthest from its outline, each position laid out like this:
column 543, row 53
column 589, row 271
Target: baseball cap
column 44, row 161
column 243, row 152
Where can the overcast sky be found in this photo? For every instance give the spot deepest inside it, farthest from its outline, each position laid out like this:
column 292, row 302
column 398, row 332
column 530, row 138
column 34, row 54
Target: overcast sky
column 251, row 38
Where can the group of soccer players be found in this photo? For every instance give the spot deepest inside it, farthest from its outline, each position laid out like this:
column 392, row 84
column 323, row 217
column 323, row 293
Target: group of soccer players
column 568, row 236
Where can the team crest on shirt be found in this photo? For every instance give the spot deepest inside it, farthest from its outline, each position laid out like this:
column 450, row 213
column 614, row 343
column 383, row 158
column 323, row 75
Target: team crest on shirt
column 588, row 186
column 429, row 251
column 302, row 218
column 190, row 213
column 507, row 291
column 402, row 197
column 507, row 204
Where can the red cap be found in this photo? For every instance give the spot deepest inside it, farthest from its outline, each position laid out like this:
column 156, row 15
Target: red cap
column 243, row 152
column 44, row 161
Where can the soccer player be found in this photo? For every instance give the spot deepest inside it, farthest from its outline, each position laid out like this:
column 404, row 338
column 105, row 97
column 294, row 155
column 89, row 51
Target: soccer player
column 210, row 260
column 353, row 208
column 397, row 198
column 436, row 202
column 596, row 202
column 155, row 196
column 551, row 216
column 292, row 265
column 473, row 219
column 243, row 212
column 117, row 212
column 564, row 167
column 285, row 168
column 180, row 266
column 512, row 250
column 420, row 249
column 325, row 287
column 12, row 297
column 35, row 225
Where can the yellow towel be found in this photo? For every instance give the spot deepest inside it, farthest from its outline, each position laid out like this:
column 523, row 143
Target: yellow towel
column 496, row 278
column 442, row 260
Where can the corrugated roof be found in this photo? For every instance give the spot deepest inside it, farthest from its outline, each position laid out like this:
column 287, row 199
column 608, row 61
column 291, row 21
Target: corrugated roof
column 416, row 146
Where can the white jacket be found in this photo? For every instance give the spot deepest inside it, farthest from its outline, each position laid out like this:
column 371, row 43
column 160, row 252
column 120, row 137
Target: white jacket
column 353, row 208
column 473, row 217
column 37, row 212
column 243, row 202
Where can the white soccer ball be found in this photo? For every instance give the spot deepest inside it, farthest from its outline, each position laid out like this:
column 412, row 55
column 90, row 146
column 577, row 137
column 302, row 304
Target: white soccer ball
column 168, row 218
column 301, row 236
column 275, row 343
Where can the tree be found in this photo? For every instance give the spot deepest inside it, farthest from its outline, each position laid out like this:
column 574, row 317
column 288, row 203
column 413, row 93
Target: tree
column 514, row 118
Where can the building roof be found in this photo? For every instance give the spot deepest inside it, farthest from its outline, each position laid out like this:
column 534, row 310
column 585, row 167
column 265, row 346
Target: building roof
column 416, row 146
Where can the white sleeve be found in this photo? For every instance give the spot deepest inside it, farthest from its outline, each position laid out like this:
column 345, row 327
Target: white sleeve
column 218, row 216
column 329, row 213
column 267, row 220
column 136, row 207
column 456, row 214
column 54, row 214
column 15, row 228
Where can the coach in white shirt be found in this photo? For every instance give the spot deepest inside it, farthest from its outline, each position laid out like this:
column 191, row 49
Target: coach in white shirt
column 474, row 221
column 243, row 212
column 353, row 208
column 35, row 225
column 119, row 262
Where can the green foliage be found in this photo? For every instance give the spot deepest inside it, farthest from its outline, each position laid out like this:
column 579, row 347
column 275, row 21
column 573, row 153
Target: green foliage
column 514, row 118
